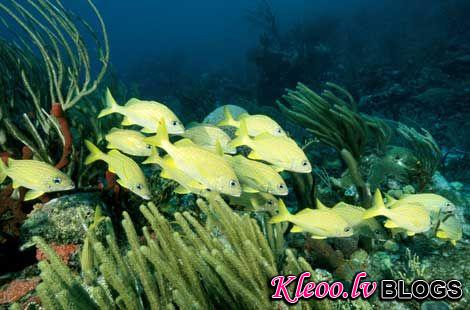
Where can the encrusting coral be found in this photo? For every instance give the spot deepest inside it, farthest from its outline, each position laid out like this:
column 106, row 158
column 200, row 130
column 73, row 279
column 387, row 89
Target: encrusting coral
column 225, row 262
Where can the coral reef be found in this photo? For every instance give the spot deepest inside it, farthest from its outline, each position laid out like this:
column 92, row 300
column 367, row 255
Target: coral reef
column 225, row 262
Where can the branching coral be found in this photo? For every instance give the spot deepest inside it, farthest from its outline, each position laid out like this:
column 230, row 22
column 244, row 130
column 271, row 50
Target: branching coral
column 425, row 149
column 334, row 119
column 225, row 262
column 56, row 71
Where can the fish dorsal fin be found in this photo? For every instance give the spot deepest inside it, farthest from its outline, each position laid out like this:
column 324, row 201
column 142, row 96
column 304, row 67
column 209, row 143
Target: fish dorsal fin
column 243, row 115
column 304, row 211
column 181, row 190
column 321, row 206
column 114, row 129
column 296, row 229
column 132, row 101
column 390, row 224
column 126, row 122
column 32, row 194
column 184, row 143
column 390, row 200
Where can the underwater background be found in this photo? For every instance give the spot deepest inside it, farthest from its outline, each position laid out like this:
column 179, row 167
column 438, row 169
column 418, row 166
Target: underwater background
column 180, row 154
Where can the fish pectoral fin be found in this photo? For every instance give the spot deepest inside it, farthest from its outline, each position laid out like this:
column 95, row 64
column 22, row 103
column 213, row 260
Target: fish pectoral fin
column 441, row 234
column 410, row 233
column 390, row 224
column 147, row 130
column 296, row 229
column 196, row 184
column 126, row 122
column 32, row 194
column 164, row 174
column 181, row 190
column 254, row 155
column 248, row 189
column 184, row 142
column 318, row 237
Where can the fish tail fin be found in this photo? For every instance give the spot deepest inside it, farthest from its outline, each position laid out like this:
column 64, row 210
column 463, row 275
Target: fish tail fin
column 228, row 119
column 283, row 215
column 154, row 158
column 160, row 139
column 111, row 105
column 95, row 153
column 3, row 171
column 243, row 138
column 378, row 208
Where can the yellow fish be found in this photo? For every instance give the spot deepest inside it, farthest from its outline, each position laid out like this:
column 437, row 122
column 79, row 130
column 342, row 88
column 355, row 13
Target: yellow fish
column 207, row 136
column 37, row 176
column 256, row 201
column 129, row 173
column 434, row 204
column 143, row 113
column 450, row 229
column 171, row 172
column 282, row 152
column 208, row 168
column 321, row 224
column 256, row 124
column 128, row 141
column 354, row 216
column 257, row 177
column 411, row 217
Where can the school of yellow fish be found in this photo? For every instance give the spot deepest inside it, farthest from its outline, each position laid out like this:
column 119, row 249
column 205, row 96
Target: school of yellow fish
column 204, row 160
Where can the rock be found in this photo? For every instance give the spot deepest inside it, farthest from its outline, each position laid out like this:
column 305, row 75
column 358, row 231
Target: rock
column 218, row 114
column 409, row 189
column 435, row 305
column 62, row 220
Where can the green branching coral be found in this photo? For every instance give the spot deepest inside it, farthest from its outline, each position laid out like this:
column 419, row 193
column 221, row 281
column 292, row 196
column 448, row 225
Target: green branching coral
column 427, row 151
column 334, row 119
column 224, row 263
column 53, row 69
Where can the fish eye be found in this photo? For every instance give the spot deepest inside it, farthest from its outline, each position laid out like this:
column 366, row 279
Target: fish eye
column 281, row 186
column 148, row 146
column 209, row 190
column 174, row 123
column 270, row 202
column 448, row 204
column 233, row 183
column 279, row 130
column 57, row 180
column 305, row 163
column 139, row 187
column 347, row 229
